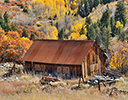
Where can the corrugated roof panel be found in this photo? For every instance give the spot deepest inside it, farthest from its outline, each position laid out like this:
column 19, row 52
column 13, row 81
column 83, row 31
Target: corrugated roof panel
column 71, row 52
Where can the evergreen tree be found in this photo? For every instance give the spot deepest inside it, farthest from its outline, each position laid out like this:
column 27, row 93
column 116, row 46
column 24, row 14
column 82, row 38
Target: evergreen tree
column 96, row 3
column 1, row 20
column 105, row 20
column 101, row 1
column 87, row 7
column 22, row 6
column 61, row 34
column 56, row 25
column 24, row 33
column 88, row 20
column 33, row 37
column 106, row 37
column 98, row 23
column 6, row 1
column 91, row 35
column 14, row 26
column 7, row 26
column 91, row 4
column 112, row 22
column 122, row 36
column 107, row 1
column 120, row 14
column 98, row 35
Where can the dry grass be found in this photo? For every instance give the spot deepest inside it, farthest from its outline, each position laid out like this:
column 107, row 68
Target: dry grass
column 13, row 91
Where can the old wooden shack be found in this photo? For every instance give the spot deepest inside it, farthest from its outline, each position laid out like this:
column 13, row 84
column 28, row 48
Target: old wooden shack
column 65, row 58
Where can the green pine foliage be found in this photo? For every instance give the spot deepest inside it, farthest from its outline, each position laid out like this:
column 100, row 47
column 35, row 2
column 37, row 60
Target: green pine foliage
column 89, row 4
column 22, row 6
column 88, row 20
column 14, row 26
column 120, row 14
column 105, row 20
column 113, row 28
column 106, row 37
column 61, row 34
column 24, row 33
column 1, row 21
column 96, row 3
column 7, row 26
column 86, row 7
column 6, row 1
column 33, row 37
column 91, row 35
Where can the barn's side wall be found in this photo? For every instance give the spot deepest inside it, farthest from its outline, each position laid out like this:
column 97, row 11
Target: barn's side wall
column 95, row 61
column 64, row 71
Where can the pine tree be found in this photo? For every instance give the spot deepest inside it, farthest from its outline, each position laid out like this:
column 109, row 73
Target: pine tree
column 1, row 20
column 96, row 3
column 33, row 37
column 122, row 36
column 107, row 1
column 98, row 35
column 24, row 33
column 7, row 26
column 88, row 20
column 6, row 1
column 61, row 34
column 112, row 22
column 14, row 26
column 120, row 14
column 105, row 20
column 106, row 37
column 57, row 25
column 98, row 23
column 87, row 7
column 91, row 35
column 91, row 3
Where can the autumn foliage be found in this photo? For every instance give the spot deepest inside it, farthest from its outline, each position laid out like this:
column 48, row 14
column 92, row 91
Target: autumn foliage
column 119, row 59
column 13, row 47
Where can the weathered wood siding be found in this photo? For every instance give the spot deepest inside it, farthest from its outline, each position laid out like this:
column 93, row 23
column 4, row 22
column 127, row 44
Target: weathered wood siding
column 96, row 61
column 55, row 70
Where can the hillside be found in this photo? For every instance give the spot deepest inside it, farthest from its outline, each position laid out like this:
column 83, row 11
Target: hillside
column 24, row 21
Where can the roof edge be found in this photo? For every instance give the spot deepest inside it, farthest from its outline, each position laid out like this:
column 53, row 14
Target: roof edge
column 64, row 40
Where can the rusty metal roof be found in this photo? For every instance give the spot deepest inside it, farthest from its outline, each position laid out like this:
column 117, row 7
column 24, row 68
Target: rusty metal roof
column 67, row 52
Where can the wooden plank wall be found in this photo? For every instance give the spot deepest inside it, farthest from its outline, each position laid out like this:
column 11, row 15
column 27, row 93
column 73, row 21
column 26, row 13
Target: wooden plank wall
column 96, row 61
column 75, row 71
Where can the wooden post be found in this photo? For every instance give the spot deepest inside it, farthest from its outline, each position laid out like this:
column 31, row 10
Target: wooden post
column 86, row 70
column 83, row 71
column 32, row 68
column 104, row 65
column 98, row 60
column 24, row 67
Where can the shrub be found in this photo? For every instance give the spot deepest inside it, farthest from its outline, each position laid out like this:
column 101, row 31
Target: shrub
column 6, row 1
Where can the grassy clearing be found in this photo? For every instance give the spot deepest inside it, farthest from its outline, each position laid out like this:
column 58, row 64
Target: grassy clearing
column 14, row 90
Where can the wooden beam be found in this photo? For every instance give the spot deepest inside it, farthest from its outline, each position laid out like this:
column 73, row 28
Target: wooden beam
column 86, row 70
column 98, row 60
column 83, row 70
column 104, row 64
column 32, row 68
column 93, row 64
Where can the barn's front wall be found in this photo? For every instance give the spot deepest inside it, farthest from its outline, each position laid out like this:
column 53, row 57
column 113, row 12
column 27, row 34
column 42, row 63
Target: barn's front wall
column 95, row 62
column 64, row 71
